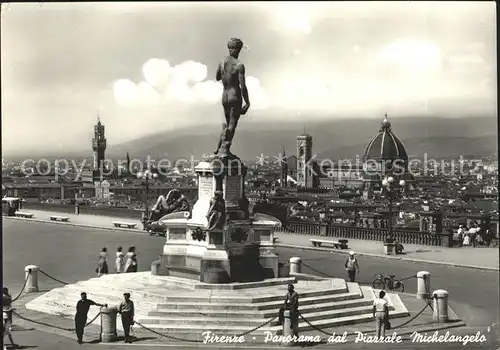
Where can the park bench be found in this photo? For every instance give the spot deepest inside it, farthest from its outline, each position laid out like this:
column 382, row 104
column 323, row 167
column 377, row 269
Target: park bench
column 23, row 214
column 124, row 224
column 340, row 244
column 59, row 218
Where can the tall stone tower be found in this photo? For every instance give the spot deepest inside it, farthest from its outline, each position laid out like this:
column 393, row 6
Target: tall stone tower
column 284, row 169
column 99, row 147
column 304, row 154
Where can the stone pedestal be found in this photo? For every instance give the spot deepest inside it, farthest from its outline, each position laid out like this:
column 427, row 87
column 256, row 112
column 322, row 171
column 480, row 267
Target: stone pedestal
column 440, row 306
column 389, row 248
column 423, row 285
column 242, row 251
column 31, row 275
column 263, row 231
column 108, row 324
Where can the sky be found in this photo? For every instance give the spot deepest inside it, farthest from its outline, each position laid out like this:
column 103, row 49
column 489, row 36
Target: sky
column 149, row 67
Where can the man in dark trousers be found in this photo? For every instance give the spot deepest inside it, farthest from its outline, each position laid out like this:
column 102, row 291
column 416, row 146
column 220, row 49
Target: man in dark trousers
column 7, row 303
column 82, row 310
column 292, row 304
column 126, row 309
column 351, row 265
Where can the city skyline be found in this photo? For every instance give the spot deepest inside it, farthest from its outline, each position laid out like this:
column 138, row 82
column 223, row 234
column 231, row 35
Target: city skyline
column 150, row 67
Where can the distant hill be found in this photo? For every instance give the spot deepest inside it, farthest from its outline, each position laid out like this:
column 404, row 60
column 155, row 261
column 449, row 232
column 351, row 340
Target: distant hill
column 438, row 137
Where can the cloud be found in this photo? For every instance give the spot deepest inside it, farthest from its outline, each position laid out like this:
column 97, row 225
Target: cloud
column 185, row 83
column 412, row 56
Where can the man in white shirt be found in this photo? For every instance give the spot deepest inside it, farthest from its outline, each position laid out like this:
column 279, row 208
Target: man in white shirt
column 352, row 266
column 473, row 233
column 380, row 314
column 460, row 235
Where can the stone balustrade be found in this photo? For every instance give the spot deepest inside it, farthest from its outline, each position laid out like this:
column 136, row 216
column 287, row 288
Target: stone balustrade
column 373, row 234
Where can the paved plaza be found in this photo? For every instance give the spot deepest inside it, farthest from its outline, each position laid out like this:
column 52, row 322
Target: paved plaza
column 70, row 254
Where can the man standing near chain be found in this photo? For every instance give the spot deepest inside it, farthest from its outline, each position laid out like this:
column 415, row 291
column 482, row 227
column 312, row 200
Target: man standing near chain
column 126, row 309
column 7, row 303
column 380, row 314
column 292, row 304
column 82, row 310
column 351, row 265
column 7, row 329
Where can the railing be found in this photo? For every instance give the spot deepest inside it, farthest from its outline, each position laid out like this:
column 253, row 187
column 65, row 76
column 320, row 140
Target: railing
column 378, row 234
column 85, row 209
column 373, row 234
column 303, row 228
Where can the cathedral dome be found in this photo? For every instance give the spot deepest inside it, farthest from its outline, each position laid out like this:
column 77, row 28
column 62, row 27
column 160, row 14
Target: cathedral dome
column 385, row 145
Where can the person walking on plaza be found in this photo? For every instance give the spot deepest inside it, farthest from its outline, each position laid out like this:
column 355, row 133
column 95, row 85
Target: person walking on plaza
column 131, row 260
column 466, row 241
column 126, row 309
column 7, row 330
column 82, row 310
column 473, row 234
column 7, row 303
column 119, row 261
column 352, row 266
column 102, row 266
column 380, row 314
column 460, row 235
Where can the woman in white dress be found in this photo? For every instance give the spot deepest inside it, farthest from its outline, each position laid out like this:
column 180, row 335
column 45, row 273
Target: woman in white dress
column 102, row 266
column 131, row 260
column 119, row 262
column 466, row 240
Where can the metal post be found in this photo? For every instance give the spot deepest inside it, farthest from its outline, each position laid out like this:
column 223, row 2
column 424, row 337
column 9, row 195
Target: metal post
column 146, row 209
column 440, row 313
column 31, row 275
column 295, row 265
column 390, row 211
column 423, row 285
column 288, row 331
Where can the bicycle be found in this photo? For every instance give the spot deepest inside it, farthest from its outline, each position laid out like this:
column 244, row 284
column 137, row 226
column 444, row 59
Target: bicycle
column 381, row 282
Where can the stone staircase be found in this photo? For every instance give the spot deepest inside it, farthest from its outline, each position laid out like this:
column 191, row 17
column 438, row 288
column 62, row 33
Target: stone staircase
column 183, row 307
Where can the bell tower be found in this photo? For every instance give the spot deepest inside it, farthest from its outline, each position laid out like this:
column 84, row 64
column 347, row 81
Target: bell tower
column 99, row 148
column 304, row 154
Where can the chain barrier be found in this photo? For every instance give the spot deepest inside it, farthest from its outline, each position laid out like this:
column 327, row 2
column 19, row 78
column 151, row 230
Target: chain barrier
column 199, row 340
column 428, row 304
column 51, row 277
column 317, row 271
column 53, row 326
column 23, row 287
column 353, row 333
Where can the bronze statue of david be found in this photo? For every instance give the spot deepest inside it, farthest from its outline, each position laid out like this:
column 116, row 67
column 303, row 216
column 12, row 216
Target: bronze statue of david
column 232, row 74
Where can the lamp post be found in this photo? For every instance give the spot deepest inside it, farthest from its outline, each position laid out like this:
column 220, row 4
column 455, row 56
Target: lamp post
column 146, row 176
column 390, row 190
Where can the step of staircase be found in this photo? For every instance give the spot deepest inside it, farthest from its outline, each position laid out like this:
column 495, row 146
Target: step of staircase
column 194, row 331
column 259, row 313
column 218, row 321
column 275, row 304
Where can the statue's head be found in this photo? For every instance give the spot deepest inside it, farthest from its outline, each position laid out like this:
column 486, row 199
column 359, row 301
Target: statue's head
column 234, row 45
column 218, row 194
